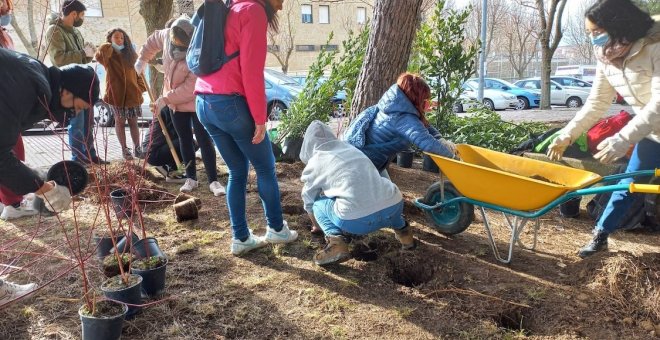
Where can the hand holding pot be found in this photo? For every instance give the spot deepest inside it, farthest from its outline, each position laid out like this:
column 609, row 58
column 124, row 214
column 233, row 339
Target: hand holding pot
column 56, row 197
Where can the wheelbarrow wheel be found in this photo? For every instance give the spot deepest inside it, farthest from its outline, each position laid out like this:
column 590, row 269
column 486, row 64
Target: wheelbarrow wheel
column 451, row 219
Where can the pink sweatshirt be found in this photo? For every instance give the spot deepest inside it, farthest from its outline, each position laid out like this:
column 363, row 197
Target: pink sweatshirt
column 245, row 31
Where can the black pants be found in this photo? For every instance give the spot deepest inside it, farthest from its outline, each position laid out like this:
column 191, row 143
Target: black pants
column 184, row 123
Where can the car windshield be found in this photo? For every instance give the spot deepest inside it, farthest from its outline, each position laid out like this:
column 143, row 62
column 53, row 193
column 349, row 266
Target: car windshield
column 281, row 78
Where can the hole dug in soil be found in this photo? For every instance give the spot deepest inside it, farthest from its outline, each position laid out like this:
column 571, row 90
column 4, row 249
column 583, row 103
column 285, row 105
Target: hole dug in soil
column 512, row 319
column 410, row 271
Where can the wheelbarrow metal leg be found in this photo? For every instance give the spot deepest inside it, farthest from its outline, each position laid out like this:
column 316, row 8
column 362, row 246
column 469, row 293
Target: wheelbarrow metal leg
column 496, row 252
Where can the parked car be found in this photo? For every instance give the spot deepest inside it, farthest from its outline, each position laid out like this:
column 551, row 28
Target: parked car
column 559, row 95
column 464, row 103
column 572, row 82
column 493, row 99
column 526, row 98
column 281, row 90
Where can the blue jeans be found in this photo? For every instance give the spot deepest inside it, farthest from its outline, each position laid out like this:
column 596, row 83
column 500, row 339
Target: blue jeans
column 646, row 156
column 81, row 140
column 332, row 225
column 229, row 123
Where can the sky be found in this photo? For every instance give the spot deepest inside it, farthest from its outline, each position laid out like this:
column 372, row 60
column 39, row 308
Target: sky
column 571, row 5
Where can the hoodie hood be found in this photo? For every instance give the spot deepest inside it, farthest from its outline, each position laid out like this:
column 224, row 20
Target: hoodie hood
column 317, row 136
column 395, row 101
column 54, row 19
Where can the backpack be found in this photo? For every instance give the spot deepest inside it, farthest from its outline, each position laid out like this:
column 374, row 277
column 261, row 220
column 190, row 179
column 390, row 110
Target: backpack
column 206, row 53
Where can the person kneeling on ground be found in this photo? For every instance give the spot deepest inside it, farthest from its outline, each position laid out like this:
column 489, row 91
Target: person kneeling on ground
column 344, row 193
column 156, row 150
column 32, row 92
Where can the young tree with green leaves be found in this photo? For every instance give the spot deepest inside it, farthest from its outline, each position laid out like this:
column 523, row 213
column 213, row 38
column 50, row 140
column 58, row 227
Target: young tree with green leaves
column 442, row 57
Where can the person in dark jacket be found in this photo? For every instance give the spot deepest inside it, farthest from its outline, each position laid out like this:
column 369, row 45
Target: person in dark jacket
column 156, row 150
column 33, row 92
column 397, row 121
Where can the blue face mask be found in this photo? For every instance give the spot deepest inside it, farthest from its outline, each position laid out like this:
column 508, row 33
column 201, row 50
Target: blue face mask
column 117, row 47
column 600, row 40
column 5, row 20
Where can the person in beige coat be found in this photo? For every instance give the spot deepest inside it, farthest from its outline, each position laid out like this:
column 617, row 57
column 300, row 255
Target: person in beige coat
column 179, row 95
column 627, row 44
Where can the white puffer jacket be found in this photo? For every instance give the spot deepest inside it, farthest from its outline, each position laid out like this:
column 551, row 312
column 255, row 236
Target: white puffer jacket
column 638, row 82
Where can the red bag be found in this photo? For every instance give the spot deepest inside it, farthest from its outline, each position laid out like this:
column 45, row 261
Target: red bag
column 606, row 128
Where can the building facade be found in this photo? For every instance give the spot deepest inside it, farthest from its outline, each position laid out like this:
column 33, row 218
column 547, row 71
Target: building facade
column 305, row 25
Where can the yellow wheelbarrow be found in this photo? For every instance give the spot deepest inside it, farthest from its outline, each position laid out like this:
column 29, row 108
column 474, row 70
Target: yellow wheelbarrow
column 521, row 188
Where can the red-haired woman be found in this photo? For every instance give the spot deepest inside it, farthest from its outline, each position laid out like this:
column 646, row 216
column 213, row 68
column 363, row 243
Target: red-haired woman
column 124, row 87
column 397, row 121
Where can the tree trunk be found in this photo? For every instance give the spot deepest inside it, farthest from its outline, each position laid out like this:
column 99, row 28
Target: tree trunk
column 24, row 39
column 390, row 40
column 546, row 69
column 155, row 14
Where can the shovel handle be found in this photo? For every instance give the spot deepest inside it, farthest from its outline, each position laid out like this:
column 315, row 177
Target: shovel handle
column 644, row 188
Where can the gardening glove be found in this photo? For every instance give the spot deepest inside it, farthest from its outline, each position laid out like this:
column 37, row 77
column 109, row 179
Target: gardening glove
column 449, row 145
column 558, row 146
column 140, row 66
column 89, row 51
column 612, row 148
column 56, row 199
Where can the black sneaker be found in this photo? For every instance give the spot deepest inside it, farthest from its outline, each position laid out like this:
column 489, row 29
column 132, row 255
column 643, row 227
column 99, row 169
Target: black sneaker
column 598, row 243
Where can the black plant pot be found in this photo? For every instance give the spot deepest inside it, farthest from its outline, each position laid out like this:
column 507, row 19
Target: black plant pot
column 131, row 295
column 153, row 280
column 102, row 328
column 70, row 174
column 121, row 201
column 291, row 149
column 123, row 245
column 429, row 165
column 147, row 247
column 570, row 208
column 104, row 245
column 404, row 159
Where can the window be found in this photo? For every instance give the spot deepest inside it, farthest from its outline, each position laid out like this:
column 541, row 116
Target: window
column 305, row 48
column 361, row 15
column 94, row 8
column 329, row 47
column 306, row 11
column 324, row 14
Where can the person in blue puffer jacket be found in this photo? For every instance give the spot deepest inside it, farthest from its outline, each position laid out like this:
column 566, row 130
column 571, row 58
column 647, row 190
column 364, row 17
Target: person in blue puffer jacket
column 397, row 121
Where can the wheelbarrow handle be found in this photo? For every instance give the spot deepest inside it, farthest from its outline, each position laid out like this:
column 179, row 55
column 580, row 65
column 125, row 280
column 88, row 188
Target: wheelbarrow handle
column 645, row 188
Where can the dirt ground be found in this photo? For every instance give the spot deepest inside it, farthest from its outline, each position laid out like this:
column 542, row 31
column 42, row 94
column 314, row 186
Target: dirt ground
column 449, row 287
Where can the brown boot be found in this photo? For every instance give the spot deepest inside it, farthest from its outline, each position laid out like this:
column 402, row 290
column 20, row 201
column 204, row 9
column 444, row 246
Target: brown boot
column 405, row 236
column 336, row 251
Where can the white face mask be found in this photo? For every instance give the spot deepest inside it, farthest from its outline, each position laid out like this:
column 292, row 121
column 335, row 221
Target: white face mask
column 5, row 20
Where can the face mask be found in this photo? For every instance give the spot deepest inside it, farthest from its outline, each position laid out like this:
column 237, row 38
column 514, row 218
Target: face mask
column 600, row 40
column 78, row 22
column 178, row 53
column 117, row 47
column 5, row 20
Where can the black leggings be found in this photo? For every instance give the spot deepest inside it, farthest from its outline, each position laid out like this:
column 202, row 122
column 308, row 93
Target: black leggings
column 184, row 123
column 161, row 156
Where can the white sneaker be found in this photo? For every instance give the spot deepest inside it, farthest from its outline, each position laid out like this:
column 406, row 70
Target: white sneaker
column 283, row 236
column 10, row 291
column 189, row 185
column 9, row 212
column 253, row 242
column 217, row 189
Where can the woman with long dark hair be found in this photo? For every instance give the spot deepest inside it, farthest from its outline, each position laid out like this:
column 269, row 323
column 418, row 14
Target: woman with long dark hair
column 396, row 122
column 232, row 106
column 124, row 87
column 626, row 42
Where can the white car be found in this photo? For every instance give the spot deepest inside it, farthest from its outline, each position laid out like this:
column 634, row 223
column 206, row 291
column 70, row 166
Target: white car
column 572, row 83
column 559, row 95
column 493, row 99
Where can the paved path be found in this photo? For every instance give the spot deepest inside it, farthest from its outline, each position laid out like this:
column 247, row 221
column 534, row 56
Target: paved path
column 44, row 150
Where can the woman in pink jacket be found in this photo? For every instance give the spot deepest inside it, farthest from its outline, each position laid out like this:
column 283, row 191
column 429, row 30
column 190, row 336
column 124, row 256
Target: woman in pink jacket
column 231, row 103
column 178, row 94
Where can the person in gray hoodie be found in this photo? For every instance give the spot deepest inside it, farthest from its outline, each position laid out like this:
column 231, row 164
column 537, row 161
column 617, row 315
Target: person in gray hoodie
column 345, row 195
